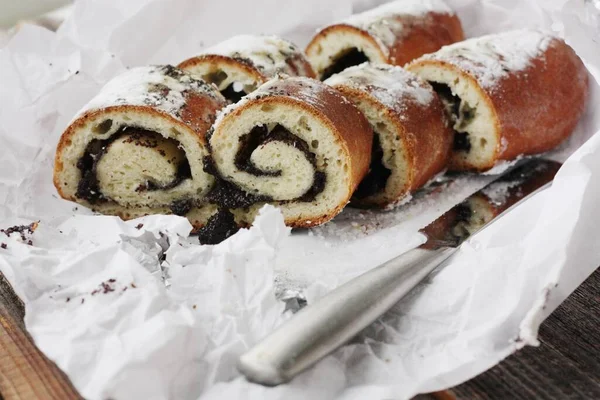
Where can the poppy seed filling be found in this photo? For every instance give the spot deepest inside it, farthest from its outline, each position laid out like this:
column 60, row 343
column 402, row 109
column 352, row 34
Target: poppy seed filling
column 89, row 188
column 345, row 60
column 378, row 175
column 460, row 114
column 227, row 194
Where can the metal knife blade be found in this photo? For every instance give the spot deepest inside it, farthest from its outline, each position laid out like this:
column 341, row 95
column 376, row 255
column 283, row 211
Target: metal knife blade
column 322, row 327
column 465, row 219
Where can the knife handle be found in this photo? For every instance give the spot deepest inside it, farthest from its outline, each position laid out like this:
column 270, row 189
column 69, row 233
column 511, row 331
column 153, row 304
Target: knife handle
column 322, row 327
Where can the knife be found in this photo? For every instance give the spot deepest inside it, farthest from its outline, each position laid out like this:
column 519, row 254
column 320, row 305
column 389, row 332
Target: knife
column 320, row 328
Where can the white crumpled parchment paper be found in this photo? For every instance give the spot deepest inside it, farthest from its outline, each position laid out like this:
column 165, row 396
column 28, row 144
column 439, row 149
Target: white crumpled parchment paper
column 93, row 286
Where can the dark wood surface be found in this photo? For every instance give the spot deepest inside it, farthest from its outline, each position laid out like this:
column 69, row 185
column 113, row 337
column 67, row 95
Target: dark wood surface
column 25, row 373
column 565, row 366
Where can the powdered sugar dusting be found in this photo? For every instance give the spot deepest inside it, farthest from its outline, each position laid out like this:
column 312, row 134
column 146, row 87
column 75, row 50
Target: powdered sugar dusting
column 502, row 166
column 163, row 88
column 310, row 90
column 499, row 192
column 227, row 110
column 381, row 22
column 391, row 85
column 493, row 57
column 398, row 203
column 271, row 55
column 307, row 89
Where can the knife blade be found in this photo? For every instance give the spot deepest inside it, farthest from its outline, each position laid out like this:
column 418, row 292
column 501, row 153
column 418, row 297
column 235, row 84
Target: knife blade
column 320, row 328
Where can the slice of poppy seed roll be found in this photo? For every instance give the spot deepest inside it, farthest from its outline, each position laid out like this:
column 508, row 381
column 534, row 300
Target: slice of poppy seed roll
column 240, row 64
column 295, row 143
column 508, row 94
column 138, row 147
column 412, row 139
column 393, row 33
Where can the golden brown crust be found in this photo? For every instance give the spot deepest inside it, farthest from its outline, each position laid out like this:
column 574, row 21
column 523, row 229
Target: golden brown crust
column 313, row 47
column 200, row 119
column 423, row 35
column 342, row 117
column 534, row 109
column 539, row 107
column 425, row 133
column 431, row 138
column 419, row 35
column 296, row 63
column 408, row 138
column 65, row 138
column 354, row 134
column 195, row 118
column 303, row 62
column 216, row 60
column 200, row 112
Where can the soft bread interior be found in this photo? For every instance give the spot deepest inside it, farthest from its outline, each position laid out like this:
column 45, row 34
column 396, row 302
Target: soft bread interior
column 278, row 156
column 476, row 137
column 395, row 157
column 333, row 44
column 232, row 80
column 296, row 175
column 156, row 161
column 132, row 164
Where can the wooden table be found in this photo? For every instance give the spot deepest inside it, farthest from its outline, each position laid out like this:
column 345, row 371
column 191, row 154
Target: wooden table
column 565, row 366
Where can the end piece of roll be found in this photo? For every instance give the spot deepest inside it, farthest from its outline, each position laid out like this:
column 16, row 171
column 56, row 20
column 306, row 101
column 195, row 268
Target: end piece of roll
column 412, row 139
column 295, row 143
column 509, row 94
column 137, row 148
column 394, row 33
column 240, row 64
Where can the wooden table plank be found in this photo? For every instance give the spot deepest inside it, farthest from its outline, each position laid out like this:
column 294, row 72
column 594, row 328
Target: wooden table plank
column 565, row 366
column 25, row 373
